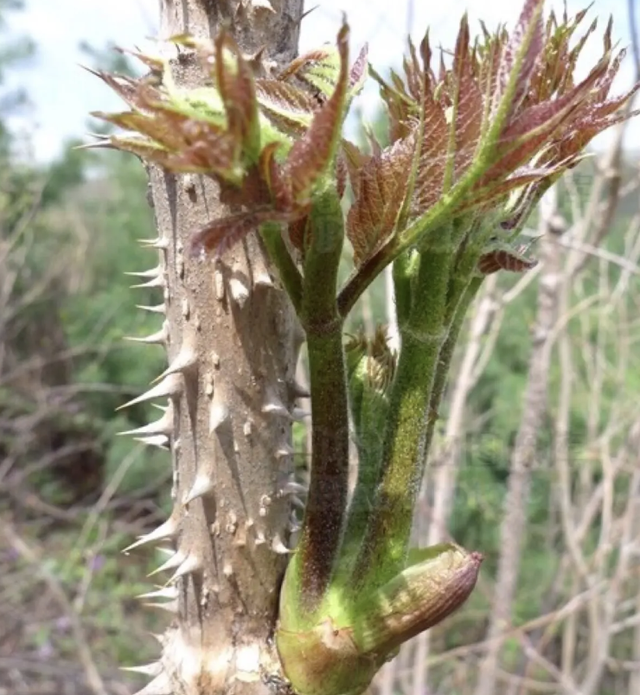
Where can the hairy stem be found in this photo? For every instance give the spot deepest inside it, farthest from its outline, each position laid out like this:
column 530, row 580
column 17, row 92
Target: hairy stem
column 327, row 498
column 290, row 276
column 384, row 549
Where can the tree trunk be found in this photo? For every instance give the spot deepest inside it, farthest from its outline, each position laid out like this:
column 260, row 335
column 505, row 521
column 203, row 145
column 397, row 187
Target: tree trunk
column 232, row 342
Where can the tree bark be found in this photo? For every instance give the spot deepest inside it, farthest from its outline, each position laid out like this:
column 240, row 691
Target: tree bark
column 232, row 342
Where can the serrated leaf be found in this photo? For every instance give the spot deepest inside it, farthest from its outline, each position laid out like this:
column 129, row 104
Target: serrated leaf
column 290, row 108
column 222, row 234
column 521, row 53
column 381, row 186
column 311, row 154
column 236, row 87
column 505, row 258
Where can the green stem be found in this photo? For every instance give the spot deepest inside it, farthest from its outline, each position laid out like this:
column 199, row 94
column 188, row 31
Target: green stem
column 384, row 549
column 446, row 354
column 290, row 276
column 327, row 497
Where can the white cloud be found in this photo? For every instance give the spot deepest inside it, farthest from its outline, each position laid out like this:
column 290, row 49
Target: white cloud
column 63, row 94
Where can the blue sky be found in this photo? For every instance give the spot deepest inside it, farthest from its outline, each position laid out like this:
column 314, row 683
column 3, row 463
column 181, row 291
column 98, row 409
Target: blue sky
column 63, row 94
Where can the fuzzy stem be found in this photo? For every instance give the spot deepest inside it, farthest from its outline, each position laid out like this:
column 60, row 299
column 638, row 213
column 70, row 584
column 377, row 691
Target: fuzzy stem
column 384, row 549
column 446, row 354
column 327, row 498
column 290, row 276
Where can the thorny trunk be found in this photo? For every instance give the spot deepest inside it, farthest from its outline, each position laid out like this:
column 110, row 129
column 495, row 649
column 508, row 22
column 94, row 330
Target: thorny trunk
column 535, row 402
column 232, row 344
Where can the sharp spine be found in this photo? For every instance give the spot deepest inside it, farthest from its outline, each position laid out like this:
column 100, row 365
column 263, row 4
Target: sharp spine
column 162, row 426
column 169, row 606
column 239, row 291
column 278, row 546
column 170, row 386
column 202, row 485
column 184, row 360
column 274, row 406
column 174, row 561
column 153, row 273
column 158, row 281
column 166, row 530
column 157, row 309
column 159, row 440
column 298, row 390
column 264, row 280
column 292, row 488
column 299, row 414
column 168, row 592
column 284, row 450
column 189, row 566
column 218, row 415
column 156, row 243
column 154, row 669
column 159, row 338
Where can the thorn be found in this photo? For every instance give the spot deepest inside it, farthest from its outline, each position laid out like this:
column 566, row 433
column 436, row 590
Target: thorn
column 170, row 606
column 189, row 566
column 170, row 592
column 297, row 390
column 184, row 360
column 292, row 488
column 283, row 451
column 157, row 309
column 166, row 530
column 174, row 561
column 260, row 539
column 299, row 414
column 278, row 546
column 156, row 243
column 153, row 273
column 160, row 685
column 274, row 406
column 218, row 414
column 171, row 386
column 159, row 440
column 264, row 280
column 202, row 485
column 154, row 669
column 162, row 426
column 159, row 338
column 157, row 281
column 239, row 291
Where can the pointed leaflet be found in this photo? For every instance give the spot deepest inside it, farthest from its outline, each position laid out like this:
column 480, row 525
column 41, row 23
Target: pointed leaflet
column 220, row 235
column 519, row 56
column 537, row 125
column 516, row 65
column 467, row 104
column 506, row 258
column 310, row 155
column 358, row 72
column 236, row 87
column 288, row 107
column 381, row 186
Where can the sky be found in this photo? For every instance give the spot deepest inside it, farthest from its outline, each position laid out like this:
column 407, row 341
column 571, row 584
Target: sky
column 63, row 94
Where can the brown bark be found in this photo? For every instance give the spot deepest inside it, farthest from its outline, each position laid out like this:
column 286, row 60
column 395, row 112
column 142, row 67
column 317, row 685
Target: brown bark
column 232, row 342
